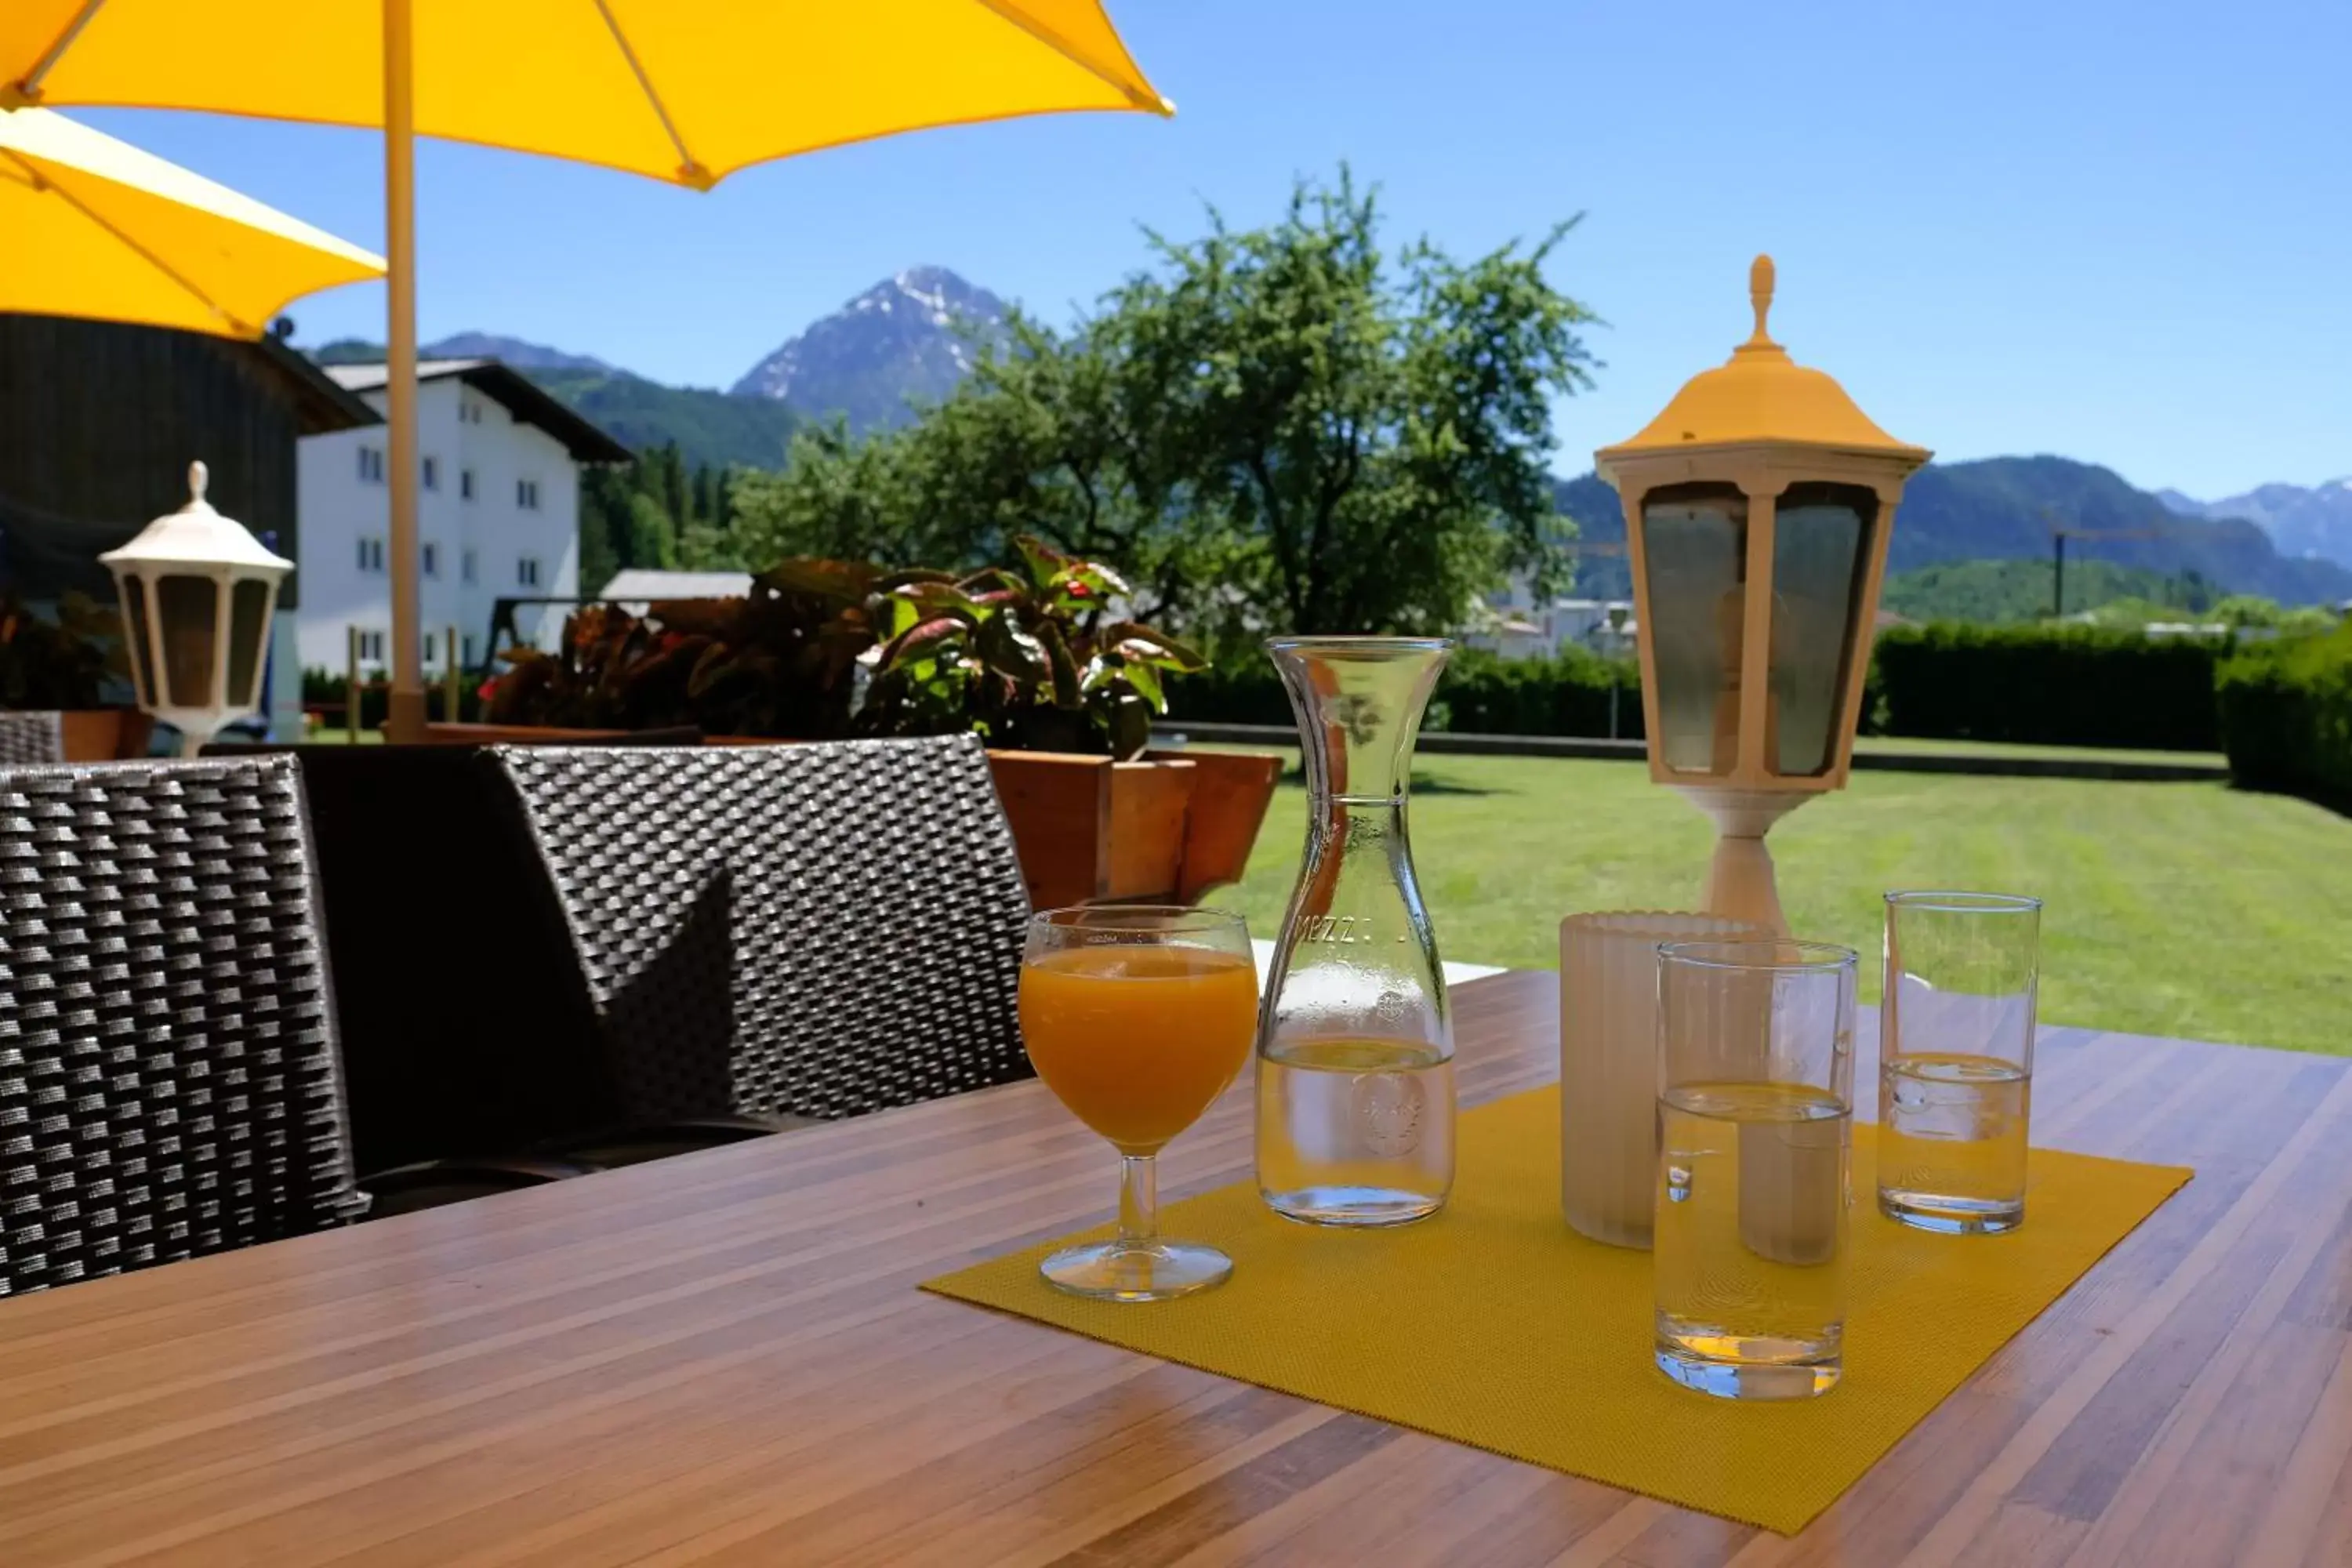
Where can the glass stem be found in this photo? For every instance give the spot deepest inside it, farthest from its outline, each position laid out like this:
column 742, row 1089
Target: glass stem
column 1139, row 1200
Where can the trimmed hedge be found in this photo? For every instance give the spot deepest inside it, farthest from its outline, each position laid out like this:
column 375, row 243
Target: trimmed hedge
column 2286, row 716
column 2060, row 685
column 1480, row 693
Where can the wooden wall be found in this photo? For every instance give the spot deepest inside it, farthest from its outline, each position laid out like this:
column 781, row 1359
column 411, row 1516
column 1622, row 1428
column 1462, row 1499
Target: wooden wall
column 99, row 422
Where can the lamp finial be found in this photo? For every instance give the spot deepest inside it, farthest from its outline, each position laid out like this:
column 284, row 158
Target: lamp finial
column 198, row 477
column 1759, row 295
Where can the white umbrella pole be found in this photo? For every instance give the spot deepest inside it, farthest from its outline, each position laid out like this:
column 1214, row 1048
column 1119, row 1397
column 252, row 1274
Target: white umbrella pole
column 406, row 721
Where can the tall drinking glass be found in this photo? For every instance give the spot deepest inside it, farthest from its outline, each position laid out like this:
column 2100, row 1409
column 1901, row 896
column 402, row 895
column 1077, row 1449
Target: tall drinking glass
column 1956, row 1059
column 1138, row 1017
column 1756, row 1111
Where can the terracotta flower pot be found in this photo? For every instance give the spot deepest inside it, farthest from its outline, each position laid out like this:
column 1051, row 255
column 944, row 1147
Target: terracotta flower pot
column 104, row 734
column 1168, row 826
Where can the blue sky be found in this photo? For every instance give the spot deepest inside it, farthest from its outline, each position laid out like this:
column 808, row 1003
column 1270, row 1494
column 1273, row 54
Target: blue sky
column 2118, row 232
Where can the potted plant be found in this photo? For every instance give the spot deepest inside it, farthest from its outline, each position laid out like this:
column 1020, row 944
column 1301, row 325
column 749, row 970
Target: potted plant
column 62, row 665
column 1034, row 657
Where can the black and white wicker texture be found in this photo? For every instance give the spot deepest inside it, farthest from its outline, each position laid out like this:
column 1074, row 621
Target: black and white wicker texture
column 815, row 930
column 31, row 736
column 168, row 1078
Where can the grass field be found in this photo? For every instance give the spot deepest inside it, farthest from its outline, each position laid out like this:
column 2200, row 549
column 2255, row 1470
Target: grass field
column 2187, row 910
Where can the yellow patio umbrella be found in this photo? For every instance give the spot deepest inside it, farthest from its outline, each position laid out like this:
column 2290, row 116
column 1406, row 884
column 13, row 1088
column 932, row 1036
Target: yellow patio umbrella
column 683, row 91
column 97, row 229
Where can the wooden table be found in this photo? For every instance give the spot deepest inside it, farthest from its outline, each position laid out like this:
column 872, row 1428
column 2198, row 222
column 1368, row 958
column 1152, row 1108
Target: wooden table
column 723, row 1358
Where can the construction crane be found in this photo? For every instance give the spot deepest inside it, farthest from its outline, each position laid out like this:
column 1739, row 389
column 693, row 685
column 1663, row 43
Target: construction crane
column 2060, row 534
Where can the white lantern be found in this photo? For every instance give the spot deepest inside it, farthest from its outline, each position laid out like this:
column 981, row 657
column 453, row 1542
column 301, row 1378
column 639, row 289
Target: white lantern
column 198, row 594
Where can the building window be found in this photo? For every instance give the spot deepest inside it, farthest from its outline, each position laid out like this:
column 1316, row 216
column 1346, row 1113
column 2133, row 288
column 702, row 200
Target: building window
column 527, row 494
column 370, row 554
column 371, row 647
column 432, row 473
column 431, row 565
column 468, row 412
column 469, row 647
column 428, row 648
column 466, row 564
column 465, row 484
column 527, row 571
column 371, row 464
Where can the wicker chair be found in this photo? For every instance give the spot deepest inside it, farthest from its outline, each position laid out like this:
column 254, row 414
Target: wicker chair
column 31, row 736
column 767, row 934
column 168, row 1078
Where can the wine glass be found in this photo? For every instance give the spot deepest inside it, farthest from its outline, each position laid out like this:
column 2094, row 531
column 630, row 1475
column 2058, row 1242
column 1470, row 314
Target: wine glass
column 1138, row 1017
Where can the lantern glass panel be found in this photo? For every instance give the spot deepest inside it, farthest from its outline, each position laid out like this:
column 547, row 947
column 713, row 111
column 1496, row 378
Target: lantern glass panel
column 248, row 640
column 190, row 609
column 1694, row 554
column 134, row 589
column 1820, row 548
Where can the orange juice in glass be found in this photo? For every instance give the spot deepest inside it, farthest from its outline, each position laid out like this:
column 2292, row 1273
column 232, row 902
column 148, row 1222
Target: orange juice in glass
column 1138, row 1017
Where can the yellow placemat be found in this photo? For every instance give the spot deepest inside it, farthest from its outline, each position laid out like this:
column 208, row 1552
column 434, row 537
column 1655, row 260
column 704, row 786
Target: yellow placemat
column 1496, row 1325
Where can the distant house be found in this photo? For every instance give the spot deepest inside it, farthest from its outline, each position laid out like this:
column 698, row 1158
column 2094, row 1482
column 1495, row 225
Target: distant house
column 1519, row 626
column 497, row 513
column 99, row 422
column 634, row 588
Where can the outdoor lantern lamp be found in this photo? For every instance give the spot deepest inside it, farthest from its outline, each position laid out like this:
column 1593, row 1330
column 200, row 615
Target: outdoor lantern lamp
column 1758, row 508
column 198, row 592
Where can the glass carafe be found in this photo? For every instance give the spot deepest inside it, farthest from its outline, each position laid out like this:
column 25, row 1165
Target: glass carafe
column 1355, row 1071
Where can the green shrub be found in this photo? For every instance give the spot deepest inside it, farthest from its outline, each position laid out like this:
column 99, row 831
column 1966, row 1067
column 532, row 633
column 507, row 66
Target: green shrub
column 1480, row 693
column 1567, row 694
column 2065, row 686
column 2286, row 716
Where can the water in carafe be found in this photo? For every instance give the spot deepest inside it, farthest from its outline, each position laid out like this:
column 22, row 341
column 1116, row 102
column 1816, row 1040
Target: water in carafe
column 1355, row 1073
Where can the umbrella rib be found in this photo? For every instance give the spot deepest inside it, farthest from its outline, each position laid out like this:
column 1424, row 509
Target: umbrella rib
column 27, row 90
column 1010, row 12
column 149, row 257
column 690, row 171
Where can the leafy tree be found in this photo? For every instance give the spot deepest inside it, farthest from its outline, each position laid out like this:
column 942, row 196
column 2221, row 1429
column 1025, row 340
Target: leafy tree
column 1282, row 427
column 656, row 513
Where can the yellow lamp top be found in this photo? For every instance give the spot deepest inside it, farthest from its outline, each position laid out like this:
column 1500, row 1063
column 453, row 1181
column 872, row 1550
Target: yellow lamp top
column 1760, row 395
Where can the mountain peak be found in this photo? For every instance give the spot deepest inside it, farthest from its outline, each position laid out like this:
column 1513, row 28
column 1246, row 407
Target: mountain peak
column 904, row 338
column 2311, row 521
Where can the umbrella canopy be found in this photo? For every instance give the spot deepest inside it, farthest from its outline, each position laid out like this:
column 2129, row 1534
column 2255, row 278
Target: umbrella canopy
column 99, row 229
column 687, row 90
column 684, row 91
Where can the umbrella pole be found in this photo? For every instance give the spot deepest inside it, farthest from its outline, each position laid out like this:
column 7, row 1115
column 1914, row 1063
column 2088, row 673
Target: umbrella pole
column 405, row 721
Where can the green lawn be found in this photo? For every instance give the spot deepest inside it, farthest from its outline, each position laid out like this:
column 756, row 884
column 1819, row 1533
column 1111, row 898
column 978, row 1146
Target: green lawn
column 2174, row 909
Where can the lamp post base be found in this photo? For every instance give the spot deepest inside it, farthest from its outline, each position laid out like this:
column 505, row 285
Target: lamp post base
column 1739, row 881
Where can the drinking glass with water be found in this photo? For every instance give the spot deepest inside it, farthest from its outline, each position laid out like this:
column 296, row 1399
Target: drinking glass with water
column 1956, row 1059
column 1756, row 1113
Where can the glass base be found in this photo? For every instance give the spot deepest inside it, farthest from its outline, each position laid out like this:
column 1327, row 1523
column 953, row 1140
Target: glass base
column 1115, row 1271
column 1353, row 1205
column 1952, row 1216
column 1755, row 1368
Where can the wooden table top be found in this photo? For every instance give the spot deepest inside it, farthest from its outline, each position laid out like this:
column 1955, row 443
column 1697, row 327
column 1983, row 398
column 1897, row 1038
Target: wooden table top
column 723, row 1358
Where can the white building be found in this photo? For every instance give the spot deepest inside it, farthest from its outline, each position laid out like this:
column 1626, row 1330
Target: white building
column 1516, row 626
column 637, row 588
column 497, row 515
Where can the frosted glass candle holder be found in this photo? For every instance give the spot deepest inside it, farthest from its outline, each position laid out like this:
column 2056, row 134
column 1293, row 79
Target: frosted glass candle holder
column 1608, row 1063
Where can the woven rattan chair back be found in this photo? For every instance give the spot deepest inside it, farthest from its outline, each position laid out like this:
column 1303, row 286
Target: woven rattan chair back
column 31, row 736
column 168, row 1078
column 811, row 931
